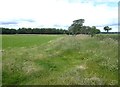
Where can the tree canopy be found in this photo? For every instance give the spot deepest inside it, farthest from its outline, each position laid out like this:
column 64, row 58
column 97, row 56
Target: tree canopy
column 78, row 28
column 106, row 28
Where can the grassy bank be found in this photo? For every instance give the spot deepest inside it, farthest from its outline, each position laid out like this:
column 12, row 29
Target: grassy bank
column 66, row 60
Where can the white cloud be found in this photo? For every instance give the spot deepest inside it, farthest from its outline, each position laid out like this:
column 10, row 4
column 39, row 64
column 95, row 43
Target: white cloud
column 61, row 12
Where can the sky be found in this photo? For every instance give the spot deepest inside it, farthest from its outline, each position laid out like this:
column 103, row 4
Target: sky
column 58, row 13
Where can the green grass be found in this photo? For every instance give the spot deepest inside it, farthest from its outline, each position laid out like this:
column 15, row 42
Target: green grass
column 12, row 41
column 103, row 36
column 64, row 60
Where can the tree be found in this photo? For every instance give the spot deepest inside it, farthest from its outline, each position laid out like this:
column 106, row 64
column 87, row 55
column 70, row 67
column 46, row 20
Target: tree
column 97, row 31
column 106, row 28
column 87, row 29
column 76, row 26
column 93, row 31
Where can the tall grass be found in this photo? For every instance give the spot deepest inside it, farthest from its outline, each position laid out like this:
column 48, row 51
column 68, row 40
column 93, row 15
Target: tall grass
column 68, row 60
column 112, row 36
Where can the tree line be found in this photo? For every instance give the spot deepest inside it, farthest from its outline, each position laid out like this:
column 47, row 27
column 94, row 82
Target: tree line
column 33, row 31
column 75, row 28
column 84, row 30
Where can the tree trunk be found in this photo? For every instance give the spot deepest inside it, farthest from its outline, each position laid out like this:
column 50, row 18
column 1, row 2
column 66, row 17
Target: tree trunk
column 107, row 31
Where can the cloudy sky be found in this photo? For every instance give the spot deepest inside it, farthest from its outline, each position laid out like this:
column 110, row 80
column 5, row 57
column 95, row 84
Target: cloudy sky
column 58, row 13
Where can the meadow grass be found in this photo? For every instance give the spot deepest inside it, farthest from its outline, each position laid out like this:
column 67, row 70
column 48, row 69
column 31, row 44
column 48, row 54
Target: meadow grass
column 66, row 60
column 12, row 41
column 103, row 36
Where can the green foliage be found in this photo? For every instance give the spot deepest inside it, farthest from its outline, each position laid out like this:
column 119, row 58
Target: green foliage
column 106, row 28
column 33, row 31
column 93, row 31
column 7, row 31
column 78, row 28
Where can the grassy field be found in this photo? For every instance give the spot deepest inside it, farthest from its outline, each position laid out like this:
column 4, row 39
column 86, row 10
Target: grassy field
column 16, row 41
column 60, row 60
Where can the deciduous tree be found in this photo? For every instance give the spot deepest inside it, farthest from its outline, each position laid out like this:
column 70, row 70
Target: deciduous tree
column 106, row 28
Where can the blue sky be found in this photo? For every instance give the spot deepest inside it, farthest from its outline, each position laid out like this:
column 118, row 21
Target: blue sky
column 58, row 13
